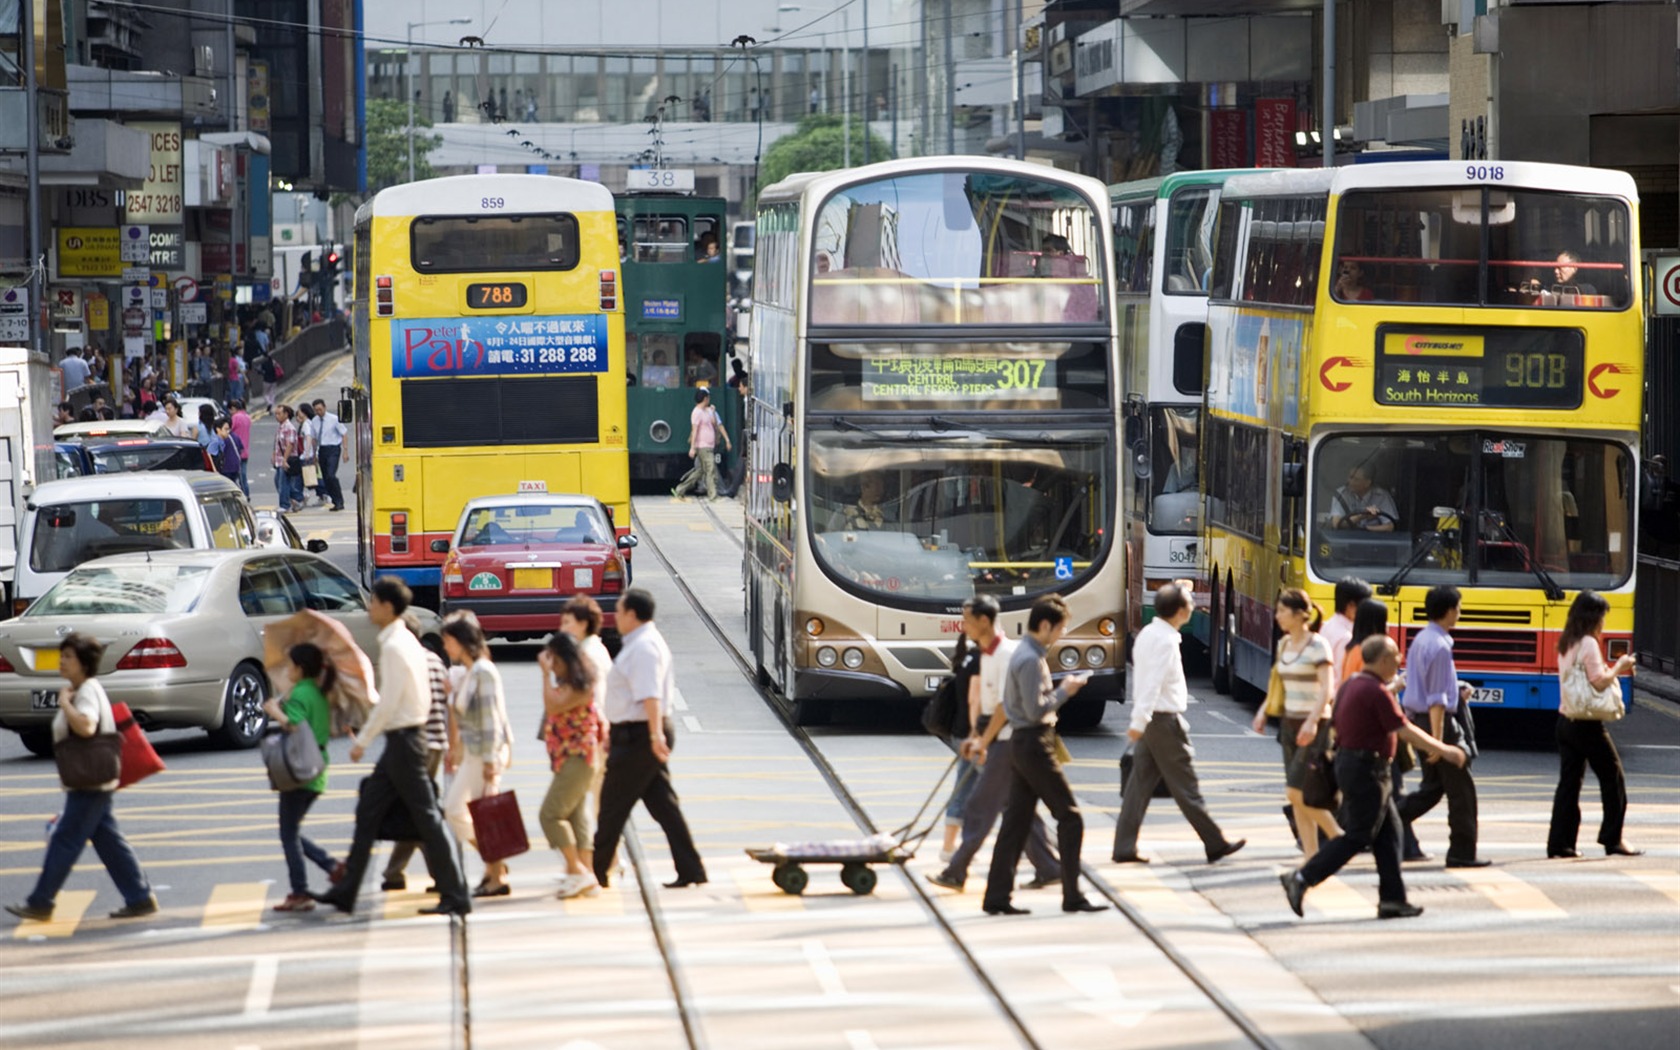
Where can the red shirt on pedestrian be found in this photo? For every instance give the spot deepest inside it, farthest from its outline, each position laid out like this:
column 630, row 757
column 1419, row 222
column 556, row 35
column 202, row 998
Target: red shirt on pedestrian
column 1367, row 715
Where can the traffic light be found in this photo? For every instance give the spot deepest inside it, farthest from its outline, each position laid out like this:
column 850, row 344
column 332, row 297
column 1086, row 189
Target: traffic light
column 330, row 261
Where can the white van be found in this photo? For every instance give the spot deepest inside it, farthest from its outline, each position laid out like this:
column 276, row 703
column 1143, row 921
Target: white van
column 29, row 388
column 74, row 520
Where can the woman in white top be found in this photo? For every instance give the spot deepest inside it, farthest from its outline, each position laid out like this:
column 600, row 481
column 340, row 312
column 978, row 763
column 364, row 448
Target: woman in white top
column 1303, row 664
column 177, row 424
column 84, row 709
column 1582, row 743
column 581, row 618
column 480, row 741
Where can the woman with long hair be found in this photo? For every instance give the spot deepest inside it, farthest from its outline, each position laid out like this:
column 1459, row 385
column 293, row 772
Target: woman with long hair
column 571, row 730
column 1303, row 664
column 1369, row 617
column 84, row 710
column 1582, row 742
column 306, row 708
column 480, row 741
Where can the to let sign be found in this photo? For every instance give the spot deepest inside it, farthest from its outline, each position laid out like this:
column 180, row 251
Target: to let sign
column 158, row 200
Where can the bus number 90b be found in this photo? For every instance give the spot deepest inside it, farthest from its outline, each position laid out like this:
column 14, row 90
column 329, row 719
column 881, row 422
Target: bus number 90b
column 1536, row 371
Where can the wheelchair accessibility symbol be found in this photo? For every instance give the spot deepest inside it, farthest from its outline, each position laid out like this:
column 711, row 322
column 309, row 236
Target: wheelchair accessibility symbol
column 1064, row 568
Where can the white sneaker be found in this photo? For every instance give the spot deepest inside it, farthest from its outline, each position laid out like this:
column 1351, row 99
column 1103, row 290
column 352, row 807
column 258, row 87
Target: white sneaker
column 578, row 886
column 945, row 855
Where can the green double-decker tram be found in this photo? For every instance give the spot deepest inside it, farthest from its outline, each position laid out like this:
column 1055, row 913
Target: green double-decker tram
column 676, row 320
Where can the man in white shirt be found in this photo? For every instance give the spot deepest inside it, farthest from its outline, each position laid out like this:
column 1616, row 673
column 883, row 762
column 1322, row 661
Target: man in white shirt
column 1159, row 733
column 74, row 370
column 328, row 433
column 638, row 702
column 1338, row 630
column 985, row 803
column 399, row 777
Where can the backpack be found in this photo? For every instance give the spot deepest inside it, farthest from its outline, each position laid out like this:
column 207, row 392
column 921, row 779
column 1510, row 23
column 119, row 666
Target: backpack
column 227, row 458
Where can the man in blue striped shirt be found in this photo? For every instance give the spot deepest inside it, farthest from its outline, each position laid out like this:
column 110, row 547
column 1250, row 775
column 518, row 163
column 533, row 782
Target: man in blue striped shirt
column 1431, row 701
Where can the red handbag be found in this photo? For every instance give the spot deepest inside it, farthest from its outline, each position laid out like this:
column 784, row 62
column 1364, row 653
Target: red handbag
column 139, row 759
column 498, row 827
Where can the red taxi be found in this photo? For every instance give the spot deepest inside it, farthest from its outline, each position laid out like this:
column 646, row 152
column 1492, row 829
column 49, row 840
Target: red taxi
column 516, row 560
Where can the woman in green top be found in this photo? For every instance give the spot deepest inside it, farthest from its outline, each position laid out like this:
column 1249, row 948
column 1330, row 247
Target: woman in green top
column 306, row 707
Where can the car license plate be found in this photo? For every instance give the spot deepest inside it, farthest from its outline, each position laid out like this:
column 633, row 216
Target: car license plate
column 533, row 579
column 583, row 579
column 46, row 659
column 1487, row 696
column 43, row 699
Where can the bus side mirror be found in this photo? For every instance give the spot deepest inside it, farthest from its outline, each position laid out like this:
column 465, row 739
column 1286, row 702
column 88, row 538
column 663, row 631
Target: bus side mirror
column 346, row 411
column 781, row 483
column 1293, row 480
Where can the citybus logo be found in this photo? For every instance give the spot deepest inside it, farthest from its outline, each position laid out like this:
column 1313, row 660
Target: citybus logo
column 1336, row 386
column 1606, row 369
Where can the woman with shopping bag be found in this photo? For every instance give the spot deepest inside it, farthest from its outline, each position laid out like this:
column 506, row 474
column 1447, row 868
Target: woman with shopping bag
column 480, row 741
column 304, row 711
column 89, row 753
column 1590, row 698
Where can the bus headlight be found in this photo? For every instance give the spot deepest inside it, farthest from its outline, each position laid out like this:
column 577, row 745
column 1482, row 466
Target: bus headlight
column 1094, row 656
column 853, row 658
column 1068, row 658
column 659, row 431
column 826, row 656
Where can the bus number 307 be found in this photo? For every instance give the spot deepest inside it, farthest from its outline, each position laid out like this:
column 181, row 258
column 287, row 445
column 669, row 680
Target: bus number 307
column 1023, row 375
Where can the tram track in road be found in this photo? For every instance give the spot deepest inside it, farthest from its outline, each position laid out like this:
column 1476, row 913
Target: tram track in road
column 855, row 810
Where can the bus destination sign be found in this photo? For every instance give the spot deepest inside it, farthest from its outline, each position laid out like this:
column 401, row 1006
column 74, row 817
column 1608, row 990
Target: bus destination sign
column 1489, row 368
column 936, row 377
column 436, row 347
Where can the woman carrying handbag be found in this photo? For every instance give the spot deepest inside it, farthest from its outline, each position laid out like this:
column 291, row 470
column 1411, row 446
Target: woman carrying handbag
column 1589, row 697
column 480, row 742
column 84, row 722
column 306, row 710
column 1303, row 670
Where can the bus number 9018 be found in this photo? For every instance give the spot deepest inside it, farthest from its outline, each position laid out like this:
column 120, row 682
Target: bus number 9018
column 1484, row 172
column 1536, row 371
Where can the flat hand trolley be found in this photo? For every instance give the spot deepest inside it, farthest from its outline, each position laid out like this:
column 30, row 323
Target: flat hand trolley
column 855, row 856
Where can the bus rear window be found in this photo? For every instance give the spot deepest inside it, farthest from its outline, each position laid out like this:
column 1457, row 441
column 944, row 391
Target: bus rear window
column 493, row 243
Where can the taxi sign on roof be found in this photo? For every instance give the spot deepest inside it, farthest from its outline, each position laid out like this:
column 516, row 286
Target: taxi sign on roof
column 533, row 486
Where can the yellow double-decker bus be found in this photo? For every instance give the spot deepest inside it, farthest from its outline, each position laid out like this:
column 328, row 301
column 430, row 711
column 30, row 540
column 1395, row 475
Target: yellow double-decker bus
column 489, row 352
column 1424, row 374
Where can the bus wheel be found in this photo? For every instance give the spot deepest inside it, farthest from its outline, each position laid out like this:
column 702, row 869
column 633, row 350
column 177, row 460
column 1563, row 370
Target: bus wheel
column 1220, row 656
column 1077, row 715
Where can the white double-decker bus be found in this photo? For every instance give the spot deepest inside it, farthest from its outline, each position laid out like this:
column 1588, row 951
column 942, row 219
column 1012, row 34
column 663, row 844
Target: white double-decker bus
column 1163, row 255
column 933, row 415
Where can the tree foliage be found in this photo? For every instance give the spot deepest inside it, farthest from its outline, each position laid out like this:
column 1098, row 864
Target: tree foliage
column 387, row 143
column 819, row 145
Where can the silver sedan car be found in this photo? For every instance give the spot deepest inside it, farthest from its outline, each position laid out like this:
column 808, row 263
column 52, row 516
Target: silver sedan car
column 183, row 636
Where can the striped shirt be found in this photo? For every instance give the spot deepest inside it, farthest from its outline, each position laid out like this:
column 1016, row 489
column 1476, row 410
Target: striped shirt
column 437, row 719
column 1299, row 670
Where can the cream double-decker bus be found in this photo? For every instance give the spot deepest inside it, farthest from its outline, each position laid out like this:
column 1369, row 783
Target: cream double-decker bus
column 933, row 415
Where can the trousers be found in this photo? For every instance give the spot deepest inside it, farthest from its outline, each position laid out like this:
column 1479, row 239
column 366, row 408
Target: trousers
column 1164, row 753
column 635, row 775
column 403, row 852
column 1443, row 779
column 1035, row 776
column 703, row 474
column 985, row 804
column 1582, row 744
column 563, row 815
column 1368, row 818
column 399, row 779
column 294, row 806
column 327, row 460
column 87, row 817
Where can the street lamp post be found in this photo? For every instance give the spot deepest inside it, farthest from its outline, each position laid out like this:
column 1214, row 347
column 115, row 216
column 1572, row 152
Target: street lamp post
column 845, row 75
column 408, row 68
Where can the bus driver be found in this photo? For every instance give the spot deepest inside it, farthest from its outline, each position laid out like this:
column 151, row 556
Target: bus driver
column 1361, row 505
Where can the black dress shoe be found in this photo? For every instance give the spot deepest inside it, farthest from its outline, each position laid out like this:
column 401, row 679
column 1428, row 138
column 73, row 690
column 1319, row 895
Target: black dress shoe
column 1622, row 849
column 448, row 907
column 394, row 883
column 1563, row 854
column 1075, row 907
column 1226, row 850
column 1468, row 862
column 1295, row 889
column 1420, row 855
column 1130, row 858
column 1398, row 910
column 683, row 884
column 1037, row 882
column 347, row 907
column 1004, row 909
column 484, row 889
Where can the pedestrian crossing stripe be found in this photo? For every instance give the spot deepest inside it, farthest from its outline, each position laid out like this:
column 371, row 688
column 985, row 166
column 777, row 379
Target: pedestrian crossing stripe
column 1144, row 889
column 608, row 900
column 1509, row 893
column 67, row 915
column 236, row 905
column 1666, row 883
column 1335, row 899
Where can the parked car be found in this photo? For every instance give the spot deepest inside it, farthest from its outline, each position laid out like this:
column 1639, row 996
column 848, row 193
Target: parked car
column 109, row 428
column 105, row 454
column 274, row 529
column 515, row 560
column 183, row 636
column 68, row 522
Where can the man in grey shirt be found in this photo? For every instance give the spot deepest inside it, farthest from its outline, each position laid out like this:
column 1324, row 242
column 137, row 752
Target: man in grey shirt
column 1030, row 701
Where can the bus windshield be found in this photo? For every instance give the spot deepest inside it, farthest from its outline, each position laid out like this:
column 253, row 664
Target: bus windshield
column 956, row 248
column 1488, row 247
column 493, row 243
column 1175, row 507
column 920, row 516
column 1473, row 507
column 1189, row 249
